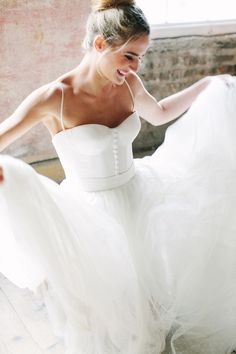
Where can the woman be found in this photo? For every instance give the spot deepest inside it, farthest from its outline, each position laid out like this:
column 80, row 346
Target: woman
column 132, row 256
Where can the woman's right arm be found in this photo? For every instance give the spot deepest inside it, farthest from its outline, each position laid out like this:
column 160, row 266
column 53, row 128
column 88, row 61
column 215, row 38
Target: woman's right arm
column 34, row 108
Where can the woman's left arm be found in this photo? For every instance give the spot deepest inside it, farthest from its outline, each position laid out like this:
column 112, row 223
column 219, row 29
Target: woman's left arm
column 171, row 107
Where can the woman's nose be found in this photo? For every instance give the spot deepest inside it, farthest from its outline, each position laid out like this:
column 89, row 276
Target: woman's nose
column 134, row 66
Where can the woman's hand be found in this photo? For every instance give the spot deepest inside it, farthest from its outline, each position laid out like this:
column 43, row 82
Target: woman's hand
column 226, row 78
column 1, row 175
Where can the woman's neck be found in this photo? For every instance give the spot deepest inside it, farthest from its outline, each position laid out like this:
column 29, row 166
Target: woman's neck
column 88, row 76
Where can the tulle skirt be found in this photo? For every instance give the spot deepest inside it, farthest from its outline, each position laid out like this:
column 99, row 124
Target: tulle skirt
column 145, row 268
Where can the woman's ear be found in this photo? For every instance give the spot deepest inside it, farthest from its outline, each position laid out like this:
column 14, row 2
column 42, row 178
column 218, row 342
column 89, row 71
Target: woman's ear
column 99, row 43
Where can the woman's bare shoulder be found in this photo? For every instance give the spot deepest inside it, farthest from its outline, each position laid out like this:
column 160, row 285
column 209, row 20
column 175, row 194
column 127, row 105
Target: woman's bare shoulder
column 52, row 93
column 38, row 105
column 135, row 83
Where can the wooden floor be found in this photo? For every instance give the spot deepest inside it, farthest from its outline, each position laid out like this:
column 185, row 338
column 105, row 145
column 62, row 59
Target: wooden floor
column 24, row 326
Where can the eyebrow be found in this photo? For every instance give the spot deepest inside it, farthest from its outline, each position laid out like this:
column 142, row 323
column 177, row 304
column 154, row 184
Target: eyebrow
column 135, row 54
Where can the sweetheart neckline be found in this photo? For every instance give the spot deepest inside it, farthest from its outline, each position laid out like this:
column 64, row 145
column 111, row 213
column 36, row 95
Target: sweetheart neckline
column 94, row 124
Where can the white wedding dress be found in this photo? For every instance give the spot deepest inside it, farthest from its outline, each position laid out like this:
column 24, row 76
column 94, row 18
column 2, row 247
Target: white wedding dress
column 138, row 254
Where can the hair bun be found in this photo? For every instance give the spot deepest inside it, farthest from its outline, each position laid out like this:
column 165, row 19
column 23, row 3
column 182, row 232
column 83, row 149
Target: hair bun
column 100, row 5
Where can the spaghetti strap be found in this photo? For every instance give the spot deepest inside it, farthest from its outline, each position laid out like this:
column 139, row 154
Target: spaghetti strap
column 131, row 93
column 59, row 84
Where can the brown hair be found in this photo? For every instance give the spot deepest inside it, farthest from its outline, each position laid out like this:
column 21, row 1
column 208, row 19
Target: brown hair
column 117, row 21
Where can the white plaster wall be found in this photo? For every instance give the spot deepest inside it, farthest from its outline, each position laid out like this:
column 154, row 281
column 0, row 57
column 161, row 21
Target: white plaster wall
column 39, row 40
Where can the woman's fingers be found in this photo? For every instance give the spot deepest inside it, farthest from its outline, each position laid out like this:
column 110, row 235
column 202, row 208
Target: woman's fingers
column 1, row 174
column 228, row 79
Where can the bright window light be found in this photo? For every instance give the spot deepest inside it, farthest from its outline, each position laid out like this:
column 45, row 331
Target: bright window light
column 184, row 11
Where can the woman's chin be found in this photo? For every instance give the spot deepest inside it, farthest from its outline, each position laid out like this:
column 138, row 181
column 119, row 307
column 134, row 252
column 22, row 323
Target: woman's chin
column 120, row 79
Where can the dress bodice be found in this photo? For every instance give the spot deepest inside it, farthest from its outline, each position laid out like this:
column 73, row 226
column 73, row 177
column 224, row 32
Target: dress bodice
column 97, row 157
column 94, row 156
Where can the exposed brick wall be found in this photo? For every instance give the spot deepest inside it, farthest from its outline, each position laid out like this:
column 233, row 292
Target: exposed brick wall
column 172, row 64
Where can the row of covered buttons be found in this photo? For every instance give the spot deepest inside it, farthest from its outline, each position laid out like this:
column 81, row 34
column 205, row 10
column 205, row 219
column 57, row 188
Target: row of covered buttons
column 115, row 151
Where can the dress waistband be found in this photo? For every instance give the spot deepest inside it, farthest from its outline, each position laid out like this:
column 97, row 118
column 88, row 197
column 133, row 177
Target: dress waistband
column 98, row 184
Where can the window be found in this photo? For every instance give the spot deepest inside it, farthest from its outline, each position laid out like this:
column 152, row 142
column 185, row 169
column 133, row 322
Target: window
column 174, row 18
column 185, row 11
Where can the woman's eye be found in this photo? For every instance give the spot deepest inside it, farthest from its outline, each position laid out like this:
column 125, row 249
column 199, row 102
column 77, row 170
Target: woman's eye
column 129, row 57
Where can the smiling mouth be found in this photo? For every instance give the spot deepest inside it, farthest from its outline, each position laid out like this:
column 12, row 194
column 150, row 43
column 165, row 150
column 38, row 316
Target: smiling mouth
column 122, row 73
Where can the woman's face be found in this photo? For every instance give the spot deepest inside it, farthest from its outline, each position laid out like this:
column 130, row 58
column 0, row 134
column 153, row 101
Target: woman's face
column 116, row 65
